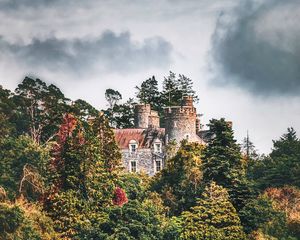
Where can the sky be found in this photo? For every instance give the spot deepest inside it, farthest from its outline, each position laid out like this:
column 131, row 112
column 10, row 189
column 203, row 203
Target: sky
column 243, row 56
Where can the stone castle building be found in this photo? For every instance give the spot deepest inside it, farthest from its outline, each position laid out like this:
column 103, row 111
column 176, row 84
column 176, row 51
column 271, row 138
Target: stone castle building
column 143, row 147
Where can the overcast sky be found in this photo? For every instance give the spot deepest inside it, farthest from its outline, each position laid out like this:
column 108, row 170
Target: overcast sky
column 244, row 56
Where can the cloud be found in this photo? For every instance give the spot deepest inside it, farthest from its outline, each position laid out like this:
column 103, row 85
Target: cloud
column 107, row 53
column 257, row 47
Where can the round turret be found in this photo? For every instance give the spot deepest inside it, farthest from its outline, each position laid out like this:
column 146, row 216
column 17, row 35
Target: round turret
column 187, row 101
column 153, row 119
column 141, row 115
column 181, row 123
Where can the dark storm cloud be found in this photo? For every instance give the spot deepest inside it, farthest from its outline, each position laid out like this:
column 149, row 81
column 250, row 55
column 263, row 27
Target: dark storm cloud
column 257, row 47
column 108, row 53
column 15, row 4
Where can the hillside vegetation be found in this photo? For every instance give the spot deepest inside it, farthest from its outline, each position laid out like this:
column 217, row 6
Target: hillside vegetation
column 61, row 174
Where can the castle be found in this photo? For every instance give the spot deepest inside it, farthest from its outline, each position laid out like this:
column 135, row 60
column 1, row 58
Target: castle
column 143, row 147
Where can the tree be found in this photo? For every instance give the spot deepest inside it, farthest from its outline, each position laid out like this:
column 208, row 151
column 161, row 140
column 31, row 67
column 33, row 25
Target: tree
column 222, row 162
column 122, row 115
column 171, row 94
column 83, row 110
column 22, row 220
column 148, row 93
column 7, row 113
column 248, row 149
column 40, row 109
column 213, row 217
column 257, row 213
column 282, row 167
column 15, row 154
column 174, row 88
column 112, row 97
column 186, row 87
column 180, row 181
column 85, row 168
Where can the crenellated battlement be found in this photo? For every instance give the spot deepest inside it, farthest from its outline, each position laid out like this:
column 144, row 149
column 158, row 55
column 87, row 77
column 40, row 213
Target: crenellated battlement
column 180, row 111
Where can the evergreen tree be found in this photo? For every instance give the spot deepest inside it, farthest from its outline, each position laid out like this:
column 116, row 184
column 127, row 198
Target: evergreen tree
column 282, row 167
column 148, row 93
column 222, row 162
column 171, row 94
column 213, row 217
column 186, row 87
column 174, row 88
column 180, row 181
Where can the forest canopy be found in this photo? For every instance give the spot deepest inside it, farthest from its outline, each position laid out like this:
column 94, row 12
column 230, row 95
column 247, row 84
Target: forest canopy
column 61, row 173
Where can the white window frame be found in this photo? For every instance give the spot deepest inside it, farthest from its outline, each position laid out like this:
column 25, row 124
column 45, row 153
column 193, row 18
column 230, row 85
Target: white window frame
column 155, row 165
column 133, row 145
column 156, row 148
column 130, row 166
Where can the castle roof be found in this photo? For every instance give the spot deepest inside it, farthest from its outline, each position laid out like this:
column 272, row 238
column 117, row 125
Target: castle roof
column 144, row 137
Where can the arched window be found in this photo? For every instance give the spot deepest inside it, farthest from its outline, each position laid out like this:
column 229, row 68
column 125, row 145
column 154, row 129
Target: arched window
column 133, row 145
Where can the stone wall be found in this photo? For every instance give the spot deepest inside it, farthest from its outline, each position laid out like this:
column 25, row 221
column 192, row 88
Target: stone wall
column 145, row 160
column 141, row 115
column 181, row 123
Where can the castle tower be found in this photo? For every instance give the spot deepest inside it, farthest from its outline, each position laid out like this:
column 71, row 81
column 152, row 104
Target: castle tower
column 141, row 115
column 153, row 119
column 181, row 121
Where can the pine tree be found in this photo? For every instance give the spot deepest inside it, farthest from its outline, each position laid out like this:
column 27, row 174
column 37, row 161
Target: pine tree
column 186, row 87
column 222, row 162
column 213, row 217
column 171, row 94
column 282, row 167
column 148, row 93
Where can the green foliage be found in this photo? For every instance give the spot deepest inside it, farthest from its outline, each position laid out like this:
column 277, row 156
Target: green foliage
column 15, row 153
column 223, row 163
column 282, row 167
column 213, row 217
column 40, row 107
column 257, row 213
column 112, row 97
column 149, row 93
column 121, row 115
column 180, row 181
column 174, row 88
column 83, row 110
column 23, row 221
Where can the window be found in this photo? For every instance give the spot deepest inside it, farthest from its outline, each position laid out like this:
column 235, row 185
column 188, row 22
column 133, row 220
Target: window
column 133, row 166
column 187, row 136
column 157, row 147
column 158, row 165
column 133, row 146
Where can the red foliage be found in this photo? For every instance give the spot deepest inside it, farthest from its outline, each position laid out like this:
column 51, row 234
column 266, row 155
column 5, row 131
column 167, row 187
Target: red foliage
column 66, row 128
column 120, row 197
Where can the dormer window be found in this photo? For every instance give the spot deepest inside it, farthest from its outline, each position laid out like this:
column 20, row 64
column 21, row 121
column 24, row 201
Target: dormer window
column 133, row 145
column 157, row 147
